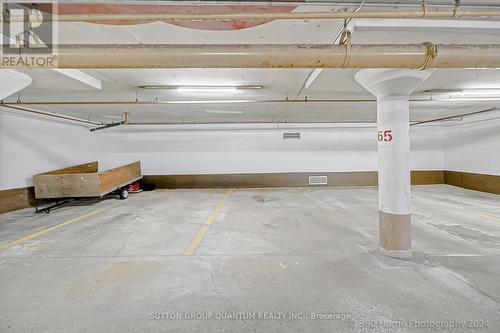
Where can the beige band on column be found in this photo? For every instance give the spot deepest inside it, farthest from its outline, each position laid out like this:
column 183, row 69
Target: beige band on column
column 395, row 234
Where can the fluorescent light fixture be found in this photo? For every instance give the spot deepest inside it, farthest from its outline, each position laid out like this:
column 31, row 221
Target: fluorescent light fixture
column 226, row 101
column 464, row 99
column 207, row 89
column 201, row 88
column 489, row 92
column 223, row 112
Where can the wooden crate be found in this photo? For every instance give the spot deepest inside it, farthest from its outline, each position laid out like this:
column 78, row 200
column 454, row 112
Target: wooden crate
column 84, row 180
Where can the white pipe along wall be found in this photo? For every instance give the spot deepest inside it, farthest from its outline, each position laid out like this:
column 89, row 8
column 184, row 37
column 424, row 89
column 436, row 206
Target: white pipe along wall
column 258, row 148
column 34, row 145
column 329, row 149
column 56, row 144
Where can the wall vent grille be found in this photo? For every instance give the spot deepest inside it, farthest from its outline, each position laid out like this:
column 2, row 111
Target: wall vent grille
column 318, row 180
column 289, row 135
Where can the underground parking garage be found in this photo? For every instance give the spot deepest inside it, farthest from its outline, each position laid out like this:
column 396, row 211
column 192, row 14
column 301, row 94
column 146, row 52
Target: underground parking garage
column 249, row 166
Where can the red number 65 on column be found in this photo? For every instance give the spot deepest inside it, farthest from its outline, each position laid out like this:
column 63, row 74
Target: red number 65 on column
column 384, row 135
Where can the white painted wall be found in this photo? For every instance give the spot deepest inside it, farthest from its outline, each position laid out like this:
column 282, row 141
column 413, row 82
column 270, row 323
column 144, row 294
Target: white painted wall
column 474, row 147
column 426, row 148
column 263, row 151
column 30, row 145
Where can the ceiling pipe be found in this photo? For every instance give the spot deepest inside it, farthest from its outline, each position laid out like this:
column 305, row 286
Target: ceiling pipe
column 457, row 12
column 365, row 123
column 271, row 3
column 154, row 102
column 419, row 56
column 232, row 126
column 227, row 101
column 50, row 115
column 342, row 31
column 125, row 121
column 452, row 117
column 100, row 128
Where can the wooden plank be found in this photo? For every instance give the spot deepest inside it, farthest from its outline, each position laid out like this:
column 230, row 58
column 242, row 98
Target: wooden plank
column 16, row 198
column 56, row 184
column 90, row 167
column 74, row 185
column 113, row 178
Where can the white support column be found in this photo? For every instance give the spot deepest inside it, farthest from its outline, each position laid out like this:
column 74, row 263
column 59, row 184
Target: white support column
column 392, row 88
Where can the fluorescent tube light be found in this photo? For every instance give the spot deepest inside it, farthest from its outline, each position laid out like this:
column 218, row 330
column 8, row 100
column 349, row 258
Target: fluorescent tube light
column 226, row 101
column 201, row 88
column 207, row 89
column 223, row 112
column 464, row 92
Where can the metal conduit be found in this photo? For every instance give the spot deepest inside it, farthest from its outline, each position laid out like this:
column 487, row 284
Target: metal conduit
column 452, row 117
column 154, row 102
column 127, row 122
column 214, row 101
column 51, row 115
column 419, row 56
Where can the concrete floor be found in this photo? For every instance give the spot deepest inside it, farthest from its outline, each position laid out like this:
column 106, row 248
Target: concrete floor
column 268, row 251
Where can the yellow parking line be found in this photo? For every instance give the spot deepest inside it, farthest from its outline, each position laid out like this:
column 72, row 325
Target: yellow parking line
column 46, row 231
column 204, row 228
column 488, row 216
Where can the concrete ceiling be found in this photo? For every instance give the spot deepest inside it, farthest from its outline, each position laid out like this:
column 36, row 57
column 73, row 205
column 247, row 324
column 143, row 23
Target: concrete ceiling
column 123, row 85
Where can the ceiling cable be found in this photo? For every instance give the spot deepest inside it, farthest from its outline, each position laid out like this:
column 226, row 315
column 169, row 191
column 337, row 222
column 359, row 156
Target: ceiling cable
column 333, row 41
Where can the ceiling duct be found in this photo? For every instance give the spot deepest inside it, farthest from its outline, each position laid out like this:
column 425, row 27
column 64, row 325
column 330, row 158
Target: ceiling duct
column 425, row 12
column 418, row 56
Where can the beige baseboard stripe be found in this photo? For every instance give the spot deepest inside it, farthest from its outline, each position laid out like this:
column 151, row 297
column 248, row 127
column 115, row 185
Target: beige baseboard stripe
column 368, row 178
column 473, row 181
column 18, row 198
column 427, row 177
column 357, row 178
